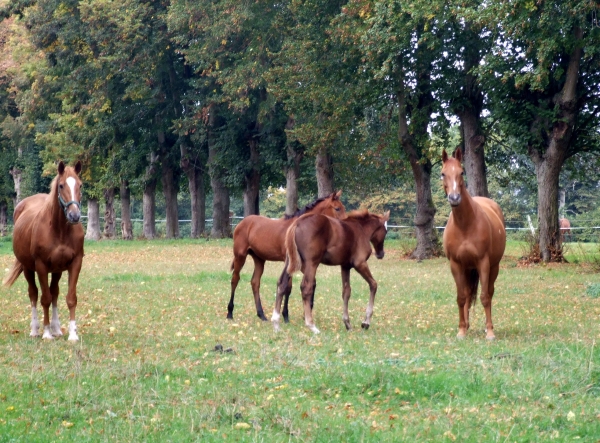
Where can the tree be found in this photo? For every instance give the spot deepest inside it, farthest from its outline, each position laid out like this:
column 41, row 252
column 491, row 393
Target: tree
column 542, row 76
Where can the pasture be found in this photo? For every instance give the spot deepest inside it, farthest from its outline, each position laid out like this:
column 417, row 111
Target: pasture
column 157, row 360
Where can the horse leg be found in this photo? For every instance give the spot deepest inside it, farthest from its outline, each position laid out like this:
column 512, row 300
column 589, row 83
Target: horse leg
column 33, row 297
column 365, row 272
column 74, row 270
column 463, row 298
column 46, row 301
column 238, row 263
column 346, row 290
column 54, row 289
column 487, row 292
column 283, row 284
column 259, row 267
column 308, row 293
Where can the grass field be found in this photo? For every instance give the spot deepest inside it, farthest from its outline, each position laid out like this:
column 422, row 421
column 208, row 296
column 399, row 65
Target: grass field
column 150, row 315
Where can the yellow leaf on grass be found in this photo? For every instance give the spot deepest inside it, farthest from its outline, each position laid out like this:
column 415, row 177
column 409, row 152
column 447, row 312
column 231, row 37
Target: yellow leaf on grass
column 242, row 426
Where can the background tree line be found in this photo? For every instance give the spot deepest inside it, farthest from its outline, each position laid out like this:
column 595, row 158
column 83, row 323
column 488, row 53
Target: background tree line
column 222, row 101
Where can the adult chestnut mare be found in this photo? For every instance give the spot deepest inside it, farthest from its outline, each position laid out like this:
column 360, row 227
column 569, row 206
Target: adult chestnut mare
column 263, row 239
column 314, row 239
column 474, row 241
column 48, row 239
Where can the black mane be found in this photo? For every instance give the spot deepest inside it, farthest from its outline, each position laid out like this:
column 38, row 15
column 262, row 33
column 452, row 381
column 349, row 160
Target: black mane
column 307, row 208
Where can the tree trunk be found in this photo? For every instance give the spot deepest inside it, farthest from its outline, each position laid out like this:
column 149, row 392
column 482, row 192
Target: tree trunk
column 474, row 159
column 469, row 113
column 427, row 238
column 221, row 226
column 17, row 176
column 149, row 198
column 126, row 225
column 170, row 193
column 92, row 231
column 550, row 159
column 295, row 153
column 3, row 217
column 195, row 176
column 324, row 169
column 252, row 180
column 109, row 214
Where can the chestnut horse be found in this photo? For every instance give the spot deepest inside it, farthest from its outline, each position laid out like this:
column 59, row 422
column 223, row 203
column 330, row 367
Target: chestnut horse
column 263, row 239
column 48, row 239
column 474, row 241
column 314, row 239
column 565, row 229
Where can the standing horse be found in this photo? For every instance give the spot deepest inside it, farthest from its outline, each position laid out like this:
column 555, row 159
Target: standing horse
column 565, row 229
column 474, row 241
column 48, row 239
column 314, row 239
column 263, row 238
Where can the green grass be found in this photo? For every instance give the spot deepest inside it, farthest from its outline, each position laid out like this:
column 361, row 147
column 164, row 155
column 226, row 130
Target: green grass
column 151, row 313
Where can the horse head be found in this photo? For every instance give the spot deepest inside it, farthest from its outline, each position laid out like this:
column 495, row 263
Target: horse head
column 335, row 206
column 68, row 188
column 379, row 234
column 453, row 176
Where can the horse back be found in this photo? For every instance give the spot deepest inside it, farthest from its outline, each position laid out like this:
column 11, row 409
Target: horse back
column 262, row 236
column 496, row 220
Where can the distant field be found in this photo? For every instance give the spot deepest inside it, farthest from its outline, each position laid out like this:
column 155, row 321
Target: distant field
column 151, row 313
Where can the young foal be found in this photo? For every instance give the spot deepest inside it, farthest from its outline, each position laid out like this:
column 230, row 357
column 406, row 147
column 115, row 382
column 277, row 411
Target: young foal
column 474, row 241
column 314, row 239
column 48, row 239
column 263, row 238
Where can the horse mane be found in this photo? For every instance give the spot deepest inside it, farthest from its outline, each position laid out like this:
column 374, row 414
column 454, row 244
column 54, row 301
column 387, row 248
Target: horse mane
column 307, row 208
column 53, row 194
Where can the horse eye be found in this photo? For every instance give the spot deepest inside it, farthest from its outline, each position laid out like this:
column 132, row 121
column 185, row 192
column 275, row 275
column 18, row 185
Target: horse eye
column 462, row 173
column 60, row 186
column 442, row 176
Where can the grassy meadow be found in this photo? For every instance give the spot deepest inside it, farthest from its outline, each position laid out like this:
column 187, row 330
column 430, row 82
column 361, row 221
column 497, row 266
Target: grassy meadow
column 151, row 314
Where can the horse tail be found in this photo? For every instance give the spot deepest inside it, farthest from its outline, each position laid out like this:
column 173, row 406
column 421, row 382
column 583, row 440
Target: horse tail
column 291, row 250
column 13, row 274
column 473, row 282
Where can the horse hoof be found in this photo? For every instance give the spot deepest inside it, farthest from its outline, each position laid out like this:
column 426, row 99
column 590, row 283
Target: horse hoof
column 286, row 319
column 461, row 336
column 365, row 325
column 490, row 337
column 263, row 318
column 229, row 317
column 315, row 330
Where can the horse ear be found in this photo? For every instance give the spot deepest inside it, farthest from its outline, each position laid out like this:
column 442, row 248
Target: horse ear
column 61, row 168
column 77, row 167
column 337, row 195
column 386, row 216
column 444, row 156
column 458, row 154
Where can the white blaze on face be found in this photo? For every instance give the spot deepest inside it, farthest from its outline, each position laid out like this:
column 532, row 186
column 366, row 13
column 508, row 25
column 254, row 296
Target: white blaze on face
column 71, row 183
column 454, row 183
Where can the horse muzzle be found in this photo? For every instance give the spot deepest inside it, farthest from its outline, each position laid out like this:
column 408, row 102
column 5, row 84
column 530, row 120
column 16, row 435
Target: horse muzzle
column 380, row 254
column 454, row 199
column 74, row 217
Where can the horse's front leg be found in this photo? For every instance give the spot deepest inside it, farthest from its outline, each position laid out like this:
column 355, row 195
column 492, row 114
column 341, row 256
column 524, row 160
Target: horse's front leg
column 365, row 272
column 463, row 298
column 74, row 270
column 46, row 301
column 259, row 267
column 54, row 290
column 346, row 291
column 33, row 298
column 487, row 280
column 284, row 286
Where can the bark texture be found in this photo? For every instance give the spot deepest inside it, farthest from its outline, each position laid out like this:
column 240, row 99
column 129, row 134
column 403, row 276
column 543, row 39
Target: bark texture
column 195, row 175
column 149, row 198
column 126, row 225
column 109, row 214
column 324, row 170
column 92, row 231
column 252, row 181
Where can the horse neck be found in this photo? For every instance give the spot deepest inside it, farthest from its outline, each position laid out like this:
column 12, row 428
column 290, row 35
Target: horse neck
column 464, row 213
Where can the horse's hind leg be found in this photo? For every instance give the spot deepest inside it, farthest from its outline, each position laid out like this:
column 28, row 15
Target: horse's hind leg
column 236, row 266
column 54, row 290
column 365, row 272
column 346, row 291
column 308, row 295
column 486, row 301
column 33, row 297
column 259, row 267
column 285, row 283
